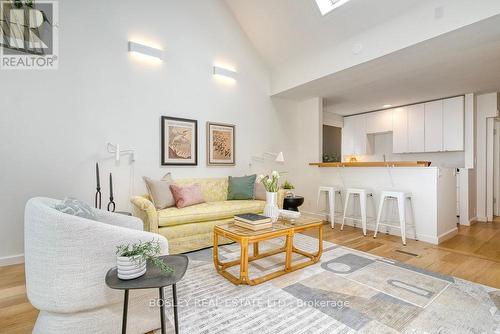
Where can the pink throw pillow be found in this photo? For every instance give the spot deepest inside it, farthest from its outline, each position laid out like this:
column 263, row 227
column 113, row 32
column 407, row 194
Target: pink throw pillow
column 187, row 195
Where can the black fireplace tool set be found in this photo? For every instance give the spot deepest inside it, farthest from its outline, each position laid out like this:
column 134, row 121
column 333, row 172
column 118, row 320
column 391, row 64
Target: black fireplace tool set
column 97, row 200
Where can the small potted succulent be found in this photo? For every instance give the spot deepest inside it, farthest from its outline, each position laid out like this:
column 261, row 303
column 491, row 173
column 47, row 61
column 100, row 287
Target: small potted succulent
column 131, row 259
column 288, row 187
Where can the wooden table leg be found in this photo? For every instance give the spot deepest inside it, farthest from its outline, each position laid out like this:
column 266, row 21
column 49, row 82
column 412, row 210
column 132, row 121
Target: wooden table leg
column 216, row 250
column 320, row 246
column 162, row 311
column 288, row 253
column 255, row 248
column 176, row 318
column 125, row 310
column 244, row 261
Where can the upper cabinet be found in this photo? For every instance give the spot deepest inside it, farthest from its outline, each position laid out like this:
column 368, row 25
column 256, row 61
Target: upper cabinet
column 400, row 130
column 434, row 126
column 444, row 125
column 416, row 126
column 379, row 121
column 348, row 137
column 354, row 135
column 453, row 125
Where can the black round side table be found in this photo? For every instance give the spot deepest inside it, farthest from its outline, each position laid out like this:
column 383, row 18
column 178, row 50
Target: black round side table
column 293, row 202
column 152, row 279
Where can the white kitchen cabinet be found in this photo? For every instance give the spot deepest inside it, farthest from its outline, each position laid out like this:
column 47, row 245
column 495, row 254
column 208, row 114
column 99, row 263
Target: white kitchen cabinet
column 354, row 135
column 416, row 126
column 348, row 137
column 400, row 130
column 453, row 125
column 434, row 126
column 360, row 141
column 379, row 121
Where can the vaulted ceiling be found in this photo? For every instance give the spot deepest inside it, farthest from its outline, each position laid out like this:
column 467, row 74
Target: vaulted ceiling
column 450, row 47
column 464, row 61
column 284, row 29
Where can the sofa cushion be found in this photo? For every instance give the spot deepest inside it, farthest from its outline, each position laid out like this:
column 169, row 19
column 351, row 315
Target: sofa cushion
column 213, row 189
column 75, row 207
column 241, row 187
column 159, row 191
column 208, row 211
column 186, row 195
column 189, row 237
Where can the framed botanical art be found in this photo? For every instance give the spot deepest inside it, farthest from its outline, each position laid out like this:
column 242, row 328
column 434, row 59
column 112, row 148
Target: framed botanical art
column 220, row 144
column 179, row 141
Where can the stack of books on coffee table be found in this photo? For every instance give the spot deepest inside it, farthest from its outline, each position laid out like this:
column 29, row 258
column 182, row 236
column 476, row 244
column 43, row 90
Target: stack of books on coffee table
column 253, row 221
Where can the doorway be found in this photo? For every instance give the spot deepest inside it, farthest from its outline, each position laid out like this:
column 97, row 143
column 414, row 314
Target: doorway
column 332, row 143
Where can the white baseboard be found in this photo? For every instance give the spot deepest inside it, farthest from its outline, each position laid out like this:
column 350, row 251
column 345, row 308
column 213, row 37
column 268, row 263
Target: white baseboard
column 13, row 259
column 447, row 235
column 472, row 221
column 392, row 231
column 321, row 215
column 435, row 240
column 482, row 219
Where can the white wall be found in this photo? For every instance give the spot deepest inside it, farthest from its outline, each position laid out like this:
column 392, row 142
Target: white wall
column 496, row 169
column 486, row 105
column 469, row 131
column 303, row 123
column 55, row 124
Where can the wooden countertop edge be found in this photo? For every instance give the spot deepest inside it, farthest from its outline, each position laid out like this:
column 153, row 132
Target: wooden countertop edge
column 373, row 164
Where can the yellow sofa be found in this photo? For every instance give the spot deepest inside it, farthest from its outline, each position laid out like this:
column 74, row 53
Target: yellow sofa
column 191, row 228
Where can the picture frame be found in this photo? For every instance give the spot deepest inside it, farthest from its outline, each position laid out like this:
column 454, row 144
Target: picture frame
column 221, row 144
column 179, row 141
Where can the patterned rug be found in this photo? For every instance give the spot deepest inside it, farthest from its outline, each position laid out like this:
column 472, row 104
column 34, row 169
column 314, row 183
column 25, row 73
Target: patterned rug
column 347, row 292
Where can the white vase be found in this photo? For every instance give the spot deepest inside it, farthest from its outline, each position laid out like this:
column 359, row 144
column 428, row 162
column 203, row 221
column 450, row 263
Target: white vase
column 130, row 269
column 271, row 209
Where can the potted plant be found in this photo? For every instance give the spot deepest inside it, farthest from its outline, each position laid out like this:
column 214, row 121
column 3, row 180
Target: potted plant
column 270, row 183
column 288, row 187
column 131, row 259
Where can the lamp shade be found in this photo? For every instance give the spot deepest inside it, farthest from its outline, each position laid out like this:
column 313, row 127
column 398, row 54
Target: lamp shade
column 280, row 158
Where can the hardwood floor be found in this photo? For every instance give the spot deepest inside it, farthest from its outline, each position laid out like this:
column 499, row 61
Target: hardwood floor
column 16, row 313
column 474, row 255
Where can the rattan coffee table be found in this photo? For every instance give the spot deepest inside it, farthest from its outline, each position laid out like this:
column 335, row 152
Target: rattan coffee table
column 245, row 237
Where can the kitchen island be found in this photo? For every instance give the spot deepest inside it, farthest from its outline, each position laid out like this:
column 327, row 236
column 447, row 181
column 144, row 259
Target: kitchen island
column 433, row 190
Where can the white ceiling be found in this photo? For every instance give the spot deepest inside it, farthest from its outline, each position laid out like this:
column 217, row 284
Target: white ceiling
column 281, row 30
column 463, row 61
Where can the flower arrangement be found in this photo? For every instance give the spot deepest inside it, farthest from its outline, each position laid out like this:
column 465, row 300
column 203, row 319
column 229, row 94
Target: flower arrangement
column 270, row 182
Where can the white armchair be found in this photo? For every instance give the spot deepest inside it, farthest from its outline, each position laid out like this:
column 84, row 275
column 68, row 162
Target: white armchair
column 66, row 260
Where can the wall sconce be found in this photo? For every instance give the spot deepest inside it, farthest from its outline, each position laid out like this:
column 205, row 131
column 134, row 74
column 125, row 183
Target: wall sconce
column 278, row 157
column 144, row 50
column 224, row 73
column 115, row 150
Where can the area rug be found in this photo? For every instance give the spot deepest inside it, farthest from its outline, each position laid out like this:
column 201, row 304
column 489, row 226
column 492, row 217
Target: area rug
column 347, row 292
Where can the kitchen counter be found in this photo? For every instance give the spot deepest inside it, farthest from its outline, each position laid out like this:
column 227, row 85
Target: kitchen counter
column 433, row 192
column 373, row 164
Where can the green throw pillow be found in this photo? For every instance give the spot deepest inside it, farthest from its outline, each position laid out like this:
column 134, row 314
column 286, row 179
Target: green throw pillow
column 241, row 187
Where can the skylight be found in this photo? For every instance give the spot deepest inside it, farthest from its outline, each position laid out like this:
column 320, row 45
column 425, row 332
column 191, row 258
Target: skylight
column 326, row 6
